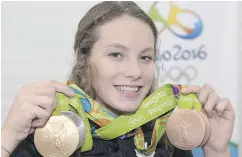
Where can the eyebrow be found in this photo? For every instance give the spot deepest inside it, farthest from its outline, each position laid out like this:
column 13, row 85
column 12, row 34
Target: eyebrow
column 148, row 49
column 117, row 45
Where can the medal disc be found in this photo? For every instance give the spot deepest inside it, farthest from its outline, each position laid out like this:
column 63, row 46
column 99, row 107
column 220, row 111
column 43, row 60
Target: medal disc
column 208, row 128
column 79, row 124
column 185, row 129
column 58, row 138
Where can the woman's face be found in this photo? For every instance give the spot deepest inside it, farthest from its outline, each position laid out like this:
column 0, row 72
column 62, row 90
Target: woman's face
column 123, row 61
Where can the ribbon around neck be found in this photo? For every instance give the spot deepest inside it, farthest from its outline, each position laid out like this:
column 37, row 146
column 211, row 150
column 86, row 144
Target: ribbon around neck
column 157, row 106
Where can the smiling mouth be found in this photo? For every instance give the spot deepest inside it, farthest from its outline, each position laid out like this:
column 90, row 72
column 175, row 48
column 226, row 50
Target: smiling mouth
column 128, row 89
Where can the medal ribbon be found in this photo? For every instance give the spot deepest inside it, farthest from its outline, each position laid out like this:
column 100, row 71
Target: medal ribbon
column 159, row 104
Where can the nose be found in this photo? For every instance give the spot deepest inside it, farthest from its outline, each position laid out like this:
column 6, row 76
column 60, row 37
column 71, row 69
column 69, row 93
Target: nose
column 132, row 69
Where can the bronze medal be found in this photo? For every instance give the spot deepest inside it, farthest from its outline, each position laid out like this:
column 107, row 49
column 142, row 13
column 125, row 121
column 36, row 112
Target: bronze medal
column 208, row 128
column 185, row 129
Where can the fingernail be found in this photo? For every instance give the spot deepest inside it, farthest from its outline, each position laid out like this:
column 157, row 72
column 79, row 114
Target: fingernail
column 220, row 113
column 210, row 114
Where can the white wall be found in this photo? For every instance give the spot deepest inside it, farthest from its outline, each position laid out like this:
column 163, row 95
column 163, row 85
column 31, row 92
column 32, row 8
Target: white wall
column 37, row 40
column 240, row 75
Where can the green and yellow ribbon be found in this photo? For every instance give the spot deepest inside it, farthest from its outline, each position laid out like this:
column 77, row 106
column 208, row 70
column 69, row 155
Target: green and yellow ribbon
column 159, row 104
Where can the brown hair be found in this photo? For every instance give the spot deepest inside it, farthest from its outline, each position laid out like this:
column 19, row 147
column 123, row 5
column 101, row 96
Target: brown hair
column 87, row 35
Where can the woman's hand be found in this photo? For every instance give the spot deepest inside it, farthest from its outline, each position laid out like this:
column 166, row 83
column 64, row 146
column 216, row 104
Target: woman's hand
column 32, row 108
column 221, row 116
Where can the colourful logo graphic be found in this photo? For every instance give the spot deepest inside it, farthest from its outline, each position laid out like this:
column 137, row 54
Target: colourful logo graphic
column 190, row 33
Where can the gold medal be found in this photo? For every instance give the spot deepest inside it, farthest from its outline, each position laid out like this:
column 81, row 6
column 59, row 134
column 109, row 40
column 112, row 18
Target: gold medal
column 58, row 138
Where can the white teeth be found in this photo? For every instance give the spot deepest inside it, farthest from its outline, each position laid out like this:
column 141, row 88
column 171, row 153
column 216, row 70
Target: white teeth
column 127, row 88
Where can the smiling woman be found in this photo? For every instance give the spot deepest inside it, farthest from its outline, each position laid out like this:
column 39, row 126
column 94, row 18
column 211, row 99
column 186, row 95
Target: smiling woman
column 125, row 69
column 115, row 47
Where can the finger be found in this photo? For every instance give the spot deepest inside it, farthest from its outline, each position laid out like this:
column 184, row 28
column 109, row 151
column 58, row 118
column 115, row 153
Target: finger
column 229, row 115
column 224, row 105
column 45, row 102
column 203, row 95
column 190, row 89
column 61, row 87
column 212, row 100
column 46, row 90
column 220, row 108
column 40, row 116
column 229, row 106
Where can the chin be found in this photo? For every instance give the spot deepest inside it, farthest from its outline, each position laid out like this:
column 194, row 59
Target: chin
column 129, row 108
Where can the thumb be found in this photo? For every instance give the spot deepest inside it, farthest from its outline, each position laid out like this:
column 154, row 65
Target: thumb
column 190, row 89
column 38, row 123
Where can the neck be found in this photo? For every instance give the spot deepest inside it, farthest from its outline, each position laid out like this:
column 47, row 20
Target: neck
column 112, row 111
column 109, row 109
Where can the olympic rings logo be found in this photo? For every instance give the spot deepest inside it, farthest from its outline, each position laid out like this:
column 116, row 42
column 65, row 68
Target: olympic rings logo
column 178, row 74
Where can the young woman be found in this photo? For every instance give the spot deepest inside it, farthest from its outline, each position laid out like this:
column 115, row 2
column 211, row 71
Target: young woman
column 115, row 47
